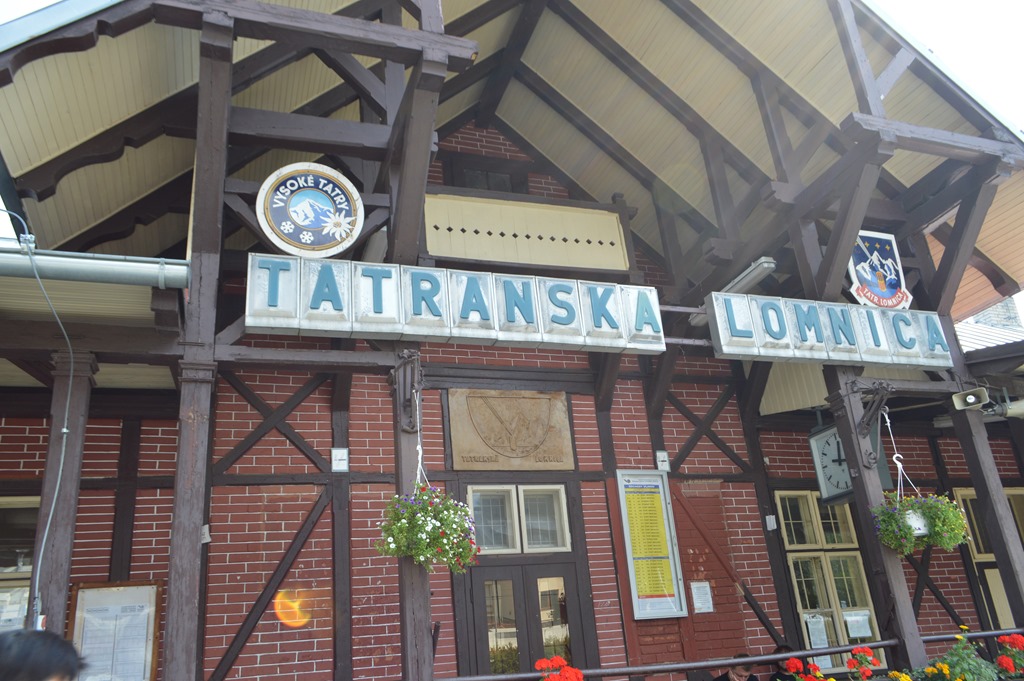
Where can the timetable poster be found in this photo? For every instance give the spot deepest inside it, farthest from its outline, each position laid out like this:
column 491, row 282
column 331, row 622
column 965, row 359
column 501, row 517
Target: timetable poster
column 651, row 543
column 114, row 631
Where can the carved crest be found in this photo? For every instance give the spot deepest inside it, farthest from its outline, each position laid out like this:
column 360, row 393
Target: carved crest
column 510, row 425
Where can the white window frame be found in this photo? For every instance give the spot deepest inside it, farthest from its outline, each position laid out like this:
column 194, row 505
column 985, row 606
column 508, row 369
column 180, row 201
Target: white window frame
column 513, row 500
column 11, row 581
column 562, row 509
column 817, row 526
column 516, row 494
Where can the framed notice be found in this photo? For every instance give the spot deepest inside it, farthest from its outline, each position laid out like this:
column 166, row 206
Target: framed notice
column 650, row 533
column 114, row 627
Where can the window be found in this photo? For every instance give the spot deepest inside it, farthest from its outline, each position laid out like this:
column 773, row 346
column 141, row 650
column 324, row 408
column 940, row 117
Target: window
column 993, row 592
column 18, row 518
column 828, row 576
column 520, row 518
column 981, row 546
column 473, row 171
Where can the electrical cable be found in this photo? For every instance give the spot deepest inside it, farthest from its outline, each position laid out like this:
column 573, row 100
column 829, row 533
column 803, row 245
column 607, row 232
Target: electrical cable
column 27, row 241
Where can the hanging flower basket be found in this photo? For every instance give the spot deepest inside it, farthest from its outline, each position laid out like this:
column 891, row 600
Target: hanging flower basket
column 906, row 524
column 431, row 528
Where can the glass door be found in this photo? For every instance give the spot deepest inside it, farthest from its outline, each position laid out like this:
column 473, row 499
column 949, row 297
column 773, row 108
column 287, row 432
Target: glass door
column 522, row 613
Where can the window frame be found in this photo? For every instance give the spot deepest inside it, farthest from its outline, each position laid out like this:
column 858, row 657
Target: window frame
column 824, row 552
column 562, row 511
column 965, row 494
column 516, row 494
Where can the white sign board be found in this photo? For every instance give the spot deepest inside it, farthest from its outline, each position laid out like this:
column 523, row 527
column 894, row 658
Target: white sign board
column 298, row 296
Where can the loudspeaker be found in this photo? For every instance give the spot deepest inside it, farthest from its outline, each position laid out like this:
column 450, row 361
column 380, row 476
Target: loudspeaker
column 970, row 399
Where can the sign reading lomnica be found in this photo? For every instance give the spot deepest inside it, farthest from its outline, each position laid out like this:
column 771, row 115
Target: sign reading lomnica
column 761, row 327
column 340, row 298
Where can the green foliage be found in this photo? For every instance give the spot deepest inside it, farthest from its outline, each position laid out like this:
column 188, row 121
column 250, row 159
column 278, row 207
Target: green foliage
column 959, row 662
column 430, row 527
column 505, row 659
column 947, row 524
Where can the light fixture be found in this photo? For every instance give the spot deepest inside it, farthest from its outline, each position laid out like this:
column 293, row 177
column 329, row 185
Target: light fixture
column 757, row 272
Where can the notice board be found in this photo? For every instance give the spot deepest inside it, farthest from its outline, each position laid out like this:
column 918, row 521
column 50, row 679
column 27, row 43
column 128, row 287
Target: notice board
column 654, row 573
column 114, row 627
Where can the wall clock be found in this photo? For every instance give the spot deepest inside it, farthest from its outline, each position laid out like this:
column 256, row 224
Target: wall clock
column 830, row 463
column 831, row 466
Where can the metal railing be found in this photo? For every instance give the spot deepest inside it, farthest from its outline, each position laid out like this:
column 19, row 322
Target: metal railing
column 719, row 663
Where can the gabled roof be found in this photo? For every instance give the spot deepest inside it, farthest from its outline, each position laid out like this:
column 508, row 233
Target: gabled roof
column 713, row 118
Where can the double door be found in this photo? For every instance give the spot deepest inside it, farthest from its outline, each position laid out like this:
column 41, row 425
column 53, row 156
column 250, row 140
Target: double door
column 521, row 613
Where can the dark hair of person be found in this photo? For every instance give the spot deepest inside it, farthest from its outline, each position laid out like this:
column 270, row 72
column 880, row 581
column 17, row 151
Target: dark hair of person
column 783, row 648
column 27, row 655
column 741, row 665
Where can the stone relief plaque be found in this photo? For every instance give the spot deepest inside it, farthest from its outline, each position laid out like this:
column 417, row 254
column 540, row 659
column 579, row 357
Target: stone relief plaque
column 503, row 430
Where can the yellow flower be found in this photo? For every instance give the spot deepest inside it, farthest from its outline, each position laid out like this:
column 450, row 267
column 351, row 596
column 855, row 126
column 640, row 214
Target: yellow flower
column 930, row 670
column 964, row 627
column 959, row 637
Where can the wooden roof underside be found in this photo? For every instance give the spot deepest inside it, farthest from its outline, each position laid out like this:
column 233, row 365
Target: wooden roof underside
column 735, row 129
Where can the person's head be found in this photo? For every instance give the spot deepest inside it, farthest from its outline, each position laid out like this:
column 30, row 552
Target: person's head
column 740, row 671
column 27, row 655
column 778, row 651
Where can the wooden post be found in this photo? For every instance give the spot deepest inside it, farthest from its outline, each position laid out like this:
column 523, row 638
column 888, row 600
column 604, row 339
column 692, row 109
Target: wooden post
column 182, row 652
column 887, row 582
column 413, row 580
column 58, row 505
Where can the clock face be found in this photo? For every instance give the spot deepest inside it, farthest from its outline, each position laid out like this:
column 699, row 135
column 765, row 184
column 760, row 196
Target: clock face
column 830, row 463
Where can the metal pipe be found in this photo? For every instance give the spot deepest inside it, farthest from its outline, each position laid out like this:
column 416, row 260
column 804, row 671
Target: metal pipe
column 96, row 268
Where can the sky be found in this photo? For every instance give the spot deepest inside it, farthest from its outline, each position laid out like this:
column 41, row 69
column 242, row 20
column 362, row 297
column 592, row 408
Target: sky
column 976, row 42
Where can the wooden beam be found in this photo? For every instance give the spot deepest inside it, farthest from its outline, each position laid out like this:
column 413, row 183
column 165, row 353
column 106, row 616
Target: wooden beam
column 182, row 653
column 608, row 144
column 40, row 371
column 829, row 279
column 36, row 341
column 897, row 66
column 125, row 498
column 77, row 36
column 944, row 201
column 244, row 356
column 317, row 30
column 698, row 126
column 363, row 80
column 511, row 57
column 969, row 219
column 607, row 375
column 721, row 198
column 480, row 15
column 1001, row 280
column 418, row 113
column 471, row 76
column 255, row 127
column 938, row 142
column 888, row 584
column 774, row 126
column 869, row 99
column 58, row 503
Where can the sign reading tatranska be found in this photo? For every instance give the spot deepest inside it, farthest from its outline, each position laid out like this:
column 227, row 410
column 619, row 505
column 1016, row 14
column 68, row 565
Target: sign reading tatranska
column 340, row 298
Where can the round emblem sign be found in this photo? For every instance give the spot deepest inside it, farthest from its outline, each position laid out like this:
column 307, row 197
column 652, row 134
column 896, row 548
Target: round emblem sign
column 310, row 210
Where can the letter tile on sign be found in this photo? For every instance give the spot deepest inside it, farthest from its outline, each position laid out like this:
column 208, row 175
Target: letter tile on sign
column 561, row 320
column 425, row 308
column 874, row 342
column 642, row 320
column 518, row 310
column 603, row 320
column 732, row 327
column 376, row 301
column 806, row 330
column 840, row 333
column 935, row 348
column 326, row 298
column 272, row 294
column 903, row 334
column 474, row 315
column 771, row 328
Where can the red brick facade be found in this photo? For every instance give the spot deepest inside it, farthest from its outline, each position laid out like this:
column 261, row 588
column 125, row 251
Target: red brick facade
column 719, row 525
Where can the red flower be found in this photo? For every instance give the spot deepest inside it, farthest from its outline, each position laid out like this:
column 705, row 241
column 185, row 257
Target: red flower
column 439, row 549
column 1005, row 663
column 557, row 661
column 423, row 489
column 865, row 673
column 813, row 668
column 542, row 664
column 874, row 661
column 442, row 533
column 794, row 665
column 851, row 663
